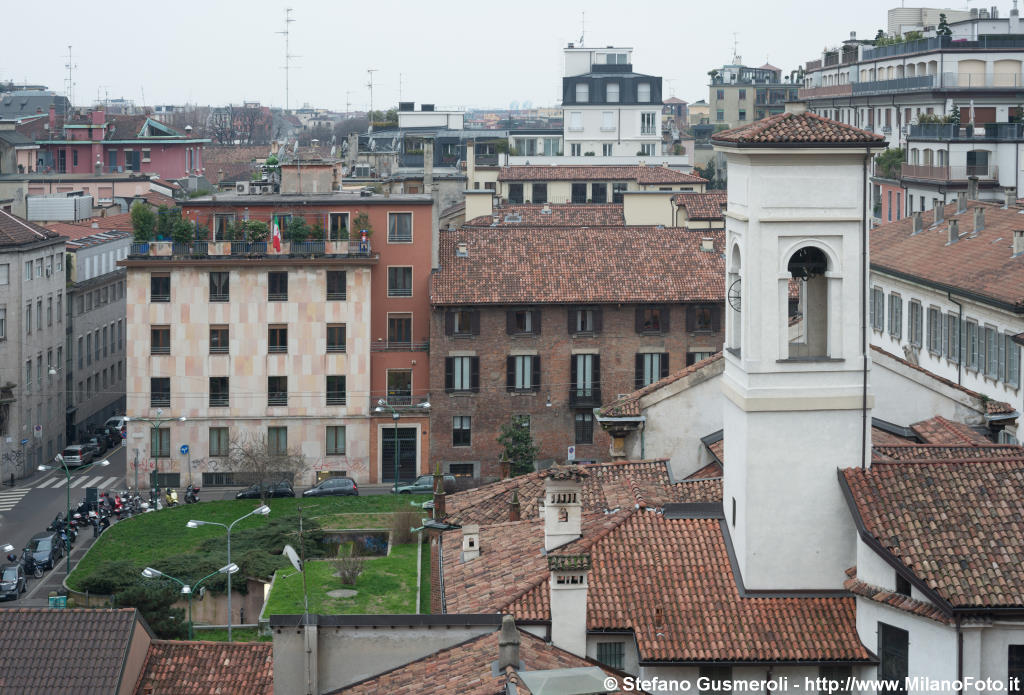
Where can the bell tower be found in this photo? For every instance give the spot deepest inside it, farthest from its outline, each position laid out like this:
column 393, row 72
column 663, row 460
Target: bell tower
column 797, row 400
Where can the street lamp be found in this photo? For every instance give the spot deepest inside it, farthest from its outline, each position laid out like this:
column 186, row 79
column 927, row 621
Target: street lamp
column 228, row 569
column 155, row 422
column 381, row 405
column 67, row 472
column 193, row 523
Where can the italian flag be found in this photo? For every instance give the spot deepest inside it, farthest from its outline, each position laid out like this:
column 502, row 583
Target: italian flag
column 275, row 235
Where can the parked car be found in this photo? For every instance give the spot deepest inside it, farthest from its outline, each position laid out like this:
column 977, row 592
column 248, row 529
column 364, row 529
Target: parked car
column 111, row 434
column 78, row 455
column 337, row 485
column 118, row 422
column 253, row 492
column 46, row 548
column 98, row 444
column 424, row 483
column 12, row 581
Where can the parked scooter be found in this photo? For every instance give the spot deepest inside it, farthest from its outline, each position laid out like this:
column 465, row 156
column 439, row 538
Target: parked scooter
column 118, row 506
column 171, row 498
column 191, row 494
column 29, row 564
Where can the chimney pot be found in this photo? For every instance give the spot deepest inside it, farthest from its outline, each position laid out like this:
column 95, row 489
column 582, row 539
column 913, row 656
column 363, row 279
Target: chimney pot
column 979, row 220
column 954, row 232
column 563, row 492
column 938, row 208
column 470, row 542
column 961, row 203
column 972, row 187
column 513, row 507
column 1011, row 198
column 918, row 224
column 508, row 644
column 1018, row 242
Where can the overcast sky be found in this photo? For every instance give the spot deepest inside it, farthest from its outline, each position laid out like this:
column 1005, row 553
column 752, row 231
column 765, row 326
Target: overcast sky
column 453, row 54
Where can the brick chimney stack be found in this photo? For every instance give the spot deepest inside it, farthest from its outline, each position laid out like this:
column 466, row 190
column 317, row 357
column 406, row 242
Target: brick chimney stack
column 513, row 507
column 439, row 494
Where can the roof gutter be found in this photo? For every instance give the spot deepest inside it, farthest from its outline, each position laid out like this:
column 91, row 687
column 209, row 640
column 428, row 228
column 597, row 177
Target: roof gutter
column 1017, row 308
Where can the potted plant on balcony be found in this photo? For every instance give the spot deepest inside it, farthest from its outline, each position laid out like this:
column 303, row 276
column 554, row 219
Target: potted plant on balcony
column 255, row 231
column 297, row 230
column 143, row 225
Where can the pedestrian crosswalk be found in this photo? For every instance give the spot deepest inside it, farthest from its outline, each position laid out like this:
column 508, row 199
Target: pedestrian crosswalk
column 79, row 482
column 9, row 498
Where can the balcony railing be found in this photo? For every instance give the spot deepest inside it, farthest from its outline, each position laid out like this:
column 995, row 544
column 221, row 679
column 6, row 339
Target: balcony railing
column 219, row 401
column 901, row 84
column 836, row 90
column 939, row 42
column 307, row 248
column 949, row 173
column 399, row 291
column 244, row 249
column 248, row 248
column 277, row 399
column 336, row 398
column 402, row 401
column 400, row 346
column 585, row 398
column 950, row 131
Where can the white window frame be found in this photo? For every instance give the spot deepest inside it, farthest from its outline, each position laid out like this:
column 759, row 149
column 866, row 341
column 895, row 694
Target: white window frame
column 643, row 92
column 523, row 380
column 895, row 315
column 462, row 373
column 935, row 324
column 582, row 93
column 606, row 149
column 648, row 123
column 575, row 121
column 397, row 239
column 611, row 93
column 608, row 121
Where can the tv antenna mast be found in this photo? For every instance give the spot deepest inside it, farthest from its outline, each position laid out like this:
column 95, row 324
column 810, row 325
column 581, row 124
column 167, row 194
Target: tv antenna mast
column 369, row 84
column 583, row 27
column 735, row 47
column 287, row 55
column 69, row 82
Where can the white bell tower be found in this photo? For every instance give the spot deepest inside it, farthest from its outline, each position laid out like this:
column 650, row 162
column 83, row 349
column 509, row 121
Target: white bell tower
column 797, row 404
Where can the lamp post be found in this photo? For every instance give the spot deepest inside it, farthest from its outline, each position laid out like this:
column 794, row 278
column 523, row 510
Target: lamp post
column 381, row 405
column 228, row 569
column 67, row 472
column 155, row 422
column 193, row 523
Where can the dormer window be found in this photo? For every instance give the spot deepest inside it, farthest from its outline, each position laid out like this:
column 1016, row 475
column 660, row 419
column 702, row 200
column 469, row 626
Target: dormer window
column 611, row 94
column 582, row 93
column 643, row 92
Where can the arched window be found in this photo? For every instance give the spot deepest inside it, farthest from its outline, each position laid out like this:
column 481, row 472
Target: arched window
column 734, row 299
column 807, row 318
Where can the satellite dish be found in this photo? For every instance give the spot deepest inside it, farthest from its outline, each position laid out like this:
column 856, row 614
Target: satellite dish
column 293, row 558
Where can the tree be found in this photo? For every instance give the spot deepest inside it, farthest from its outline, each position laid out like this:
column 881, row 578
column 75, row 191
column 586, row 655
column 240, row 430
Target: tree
column 879, row 37
column 182, row 231
column 143, row 221
column 888, row 162
column 518, row 447
column 261, row 462
column 943, row 29
column 954, row 116
column 297, row 229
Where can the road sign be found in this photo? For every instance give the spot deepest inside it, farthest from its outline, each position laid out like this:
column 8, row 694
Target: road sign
column 38, row 431
column 24, row 442
column 184, row 448
column 124, row 442
column 124, row 434
column 572, row 453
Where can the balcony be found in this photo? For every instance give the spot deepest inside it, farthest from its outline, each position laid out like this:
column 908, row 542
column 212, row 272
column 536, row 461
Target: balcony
column 940, row 42
column 402, row 401
column 585, row 398
column 902, row 84
column 248, row 249
column 400, row 346
column 949, row 173
column 949, row 132
column 837, row 90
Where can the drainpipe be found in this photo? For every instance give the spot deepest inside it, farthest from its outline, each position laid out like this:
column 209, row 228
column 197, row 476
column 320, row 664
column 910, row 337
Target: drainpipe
column 959, row 656
column 642, row 448
column 959, row 361
column 863, row 310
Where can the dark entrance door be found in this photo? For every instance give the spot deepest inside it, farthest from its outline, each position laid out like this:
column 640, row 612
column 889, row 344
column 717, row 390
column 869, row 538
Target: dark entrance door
column 406, row 454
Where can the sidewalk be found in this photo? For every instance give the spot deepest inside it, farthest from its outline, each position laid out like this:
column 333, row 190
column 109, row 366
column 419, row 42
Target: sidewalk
column 39, row 590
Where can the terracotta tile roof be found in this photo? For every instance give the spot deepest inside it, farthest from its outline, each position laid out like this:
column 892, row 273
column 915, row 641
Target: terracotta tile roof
column 558, row 215
column 157, row 199
column 991, row 406
column 467, row 669
column 983, row 264
column 641, row 174
column 207, row 668
column 671, row 583
column 166, row 183
column 703, row 206
column 73, row 650
column 891, row 598
column 545, row 265
column 610, row 485
column 233, row 160
column 808, row 128
column 959, row 527
column 713, row 469
column 629, row 405
column 880, row 437
column 15, row 231
column 939, row 430
column 945, row 452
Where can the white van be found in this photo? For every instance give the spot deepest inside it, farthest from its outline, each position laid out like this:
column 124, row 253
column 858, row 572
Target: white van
column 118, row 421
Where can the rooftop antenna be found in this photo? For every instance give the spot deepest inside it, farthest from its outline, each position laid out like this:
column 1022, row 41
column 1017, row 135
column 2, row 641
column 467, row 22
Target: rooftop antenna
column 69, row 82
column 583, row 27
column 369, row 84
column 287, row 55
column 399, row 86
column 735, row 48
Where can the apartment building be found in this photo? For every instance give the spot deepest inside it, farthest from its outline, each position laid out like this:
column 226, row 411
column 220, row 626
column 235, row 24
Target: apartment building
column 590, row 184
column 32, row 302
column 739, row 95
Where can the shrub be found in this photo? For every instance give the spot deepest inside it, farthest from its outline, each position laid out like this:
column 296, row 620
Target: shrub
column 401, row 523
column 143, row 221
column 349, row 568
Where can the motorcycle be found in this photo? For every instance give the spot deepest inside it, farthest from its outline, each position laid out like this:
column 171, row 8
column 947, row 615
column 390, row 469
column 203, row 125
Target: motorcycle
column 118, row 506
column 29, row 564
column 171, row 498
column 58, row 522
column 191, row 494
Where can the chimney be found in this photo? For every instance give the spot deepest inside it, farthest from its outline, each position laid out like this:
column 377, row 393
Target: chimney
column 508, row 644
column 439, row 494
column 954, row 232
column 972, row 187
column 470, row 542
column 961, row 203
column 513, row 507
column 918, row 224
column 979, row 220
column 563, row 509
column 569, row 602
column 1011, row 198
column 546, row 210
column 796, row 107
column 428, row 165
column 504, row 465
column 220, row 175
column 97, row 168
column 937, row 210
column 1018, row 242
column 707, row 244
column 471, row 164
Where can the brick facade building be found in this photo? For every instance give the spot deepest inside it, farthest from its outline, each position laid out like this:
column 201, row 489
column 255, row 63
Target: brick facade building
column 546, row 324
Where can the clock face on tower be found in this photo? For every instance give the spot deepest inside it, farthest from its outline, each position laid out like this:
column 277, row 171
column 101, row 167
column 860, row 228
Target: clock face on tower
column 734, row 294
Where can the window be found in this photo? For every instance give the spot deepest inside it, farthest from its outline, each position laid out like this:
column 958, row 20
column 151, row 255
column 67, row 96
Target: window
column 336, row 390
column 719, row 114
column 88, row 348
column 1011, row 374
column 277, row 440
column 522, row 373
column 720, row 94
column 221, row 223
column 915, row 323
column 606, row 151
column 28, row 377
column 220, row 289
column 335, row 337
column 584, row 428
column 219, row 392
column 649, row 367
column 400, row 281
column 159, row 288
column 652, row 319
column 575, row 150
column 647, row 149
column 400, row 386
column 540, row 193
column 5, row 273
column 336, row 284
column 716, row 679
column 617, row 190
column 876, row 309
column 39, row 321
column 461, row 374
column 81, row 352
column 399, row 329
column 462, row 470
column 277, row 390
column 743, row 94
column 951, row 337
column 522, row 321
column 49, row 311
column 608, row 121
column 576, row 120
column 902, row 585
column 60, row 304
column 159, row 340
column 160, row 392
column 585, row 375
column 702, row 319
column 611, row 654
column 399, row 227
column 515, row 193
column 160, row 442
column 219, row 444
column 584, row 320
column 39, row 267
column 277, row 286
column 1015, row 667
column 742, row 115
column 3, row 323
column 643, row 93
column 895, row 316
column 218, row 340
column 28, row 271
column 277, row 338
column 836, row 677
column 893, row 654
column 337, row 226
column 991, row 353
column 582, row 92
column 462, row 430
column 611, row 93
column 973, row 351
column 336, row 440
column 462, row 322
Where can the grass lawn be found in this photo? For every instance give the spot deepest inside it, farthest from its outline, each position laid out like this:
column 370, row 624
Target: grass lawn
column 237, row 635
column 147, row 539
column 387, row 585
